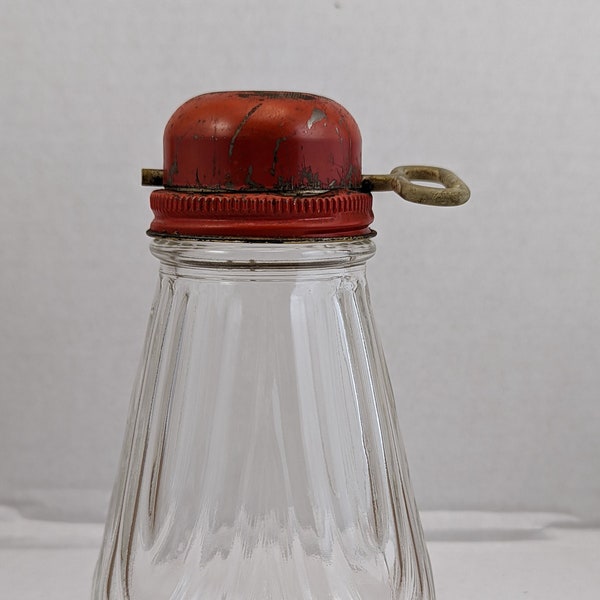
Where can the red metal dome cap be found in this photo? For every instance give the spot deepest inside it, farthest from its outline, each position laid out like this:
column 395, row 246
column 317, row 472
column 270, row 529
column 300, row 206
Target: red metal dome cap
column 264, row 141
column 261, row 164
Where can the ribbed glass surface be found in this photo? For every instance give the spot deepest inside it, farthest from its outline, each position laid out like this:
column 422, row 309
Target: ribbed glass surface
column 262, row 458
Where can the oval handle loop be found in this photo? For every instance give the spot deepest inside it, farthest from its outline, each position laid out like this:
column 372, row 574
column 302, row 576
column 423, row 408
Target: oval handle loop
column 454, row 193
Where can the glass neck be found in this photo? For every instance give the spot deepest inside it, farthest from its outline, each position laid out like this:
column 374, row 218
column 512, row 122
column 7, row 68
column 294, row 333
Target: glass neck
column 187, row 256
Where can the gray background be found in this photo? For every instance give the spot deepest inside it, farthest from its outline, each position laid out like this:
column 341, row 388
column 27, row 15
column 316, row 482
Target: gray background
column 490, row 314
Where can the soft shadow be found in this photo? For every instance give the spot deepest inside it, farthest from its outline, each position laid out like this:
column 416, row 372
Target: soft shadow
column 485, row 535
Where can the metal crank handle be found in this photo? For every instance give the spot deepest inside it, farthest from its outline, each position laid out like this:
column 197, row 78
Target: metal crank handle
column 400, row 180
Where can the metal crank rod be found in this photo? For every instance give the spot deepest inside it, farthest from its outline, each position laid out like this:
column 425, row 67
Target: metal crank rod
column 400, row 180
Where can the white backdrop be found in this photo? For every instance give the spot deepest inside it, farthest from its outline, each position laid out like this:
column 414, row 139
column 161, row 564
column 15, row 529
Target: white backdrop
column 490, row 313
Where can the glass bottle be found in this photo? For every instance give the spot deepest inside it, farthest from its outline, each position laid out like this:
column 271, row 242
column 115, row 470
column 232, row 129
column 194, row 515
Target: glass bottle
column 262, row 457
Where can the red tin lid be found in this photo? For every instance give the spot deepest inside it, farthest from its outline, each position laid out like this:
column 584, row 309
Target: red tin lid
column 261, row 165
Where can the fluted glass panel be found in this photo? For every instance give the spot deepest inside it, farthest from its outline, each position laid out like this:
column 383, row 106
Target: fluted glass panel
column 262, row 458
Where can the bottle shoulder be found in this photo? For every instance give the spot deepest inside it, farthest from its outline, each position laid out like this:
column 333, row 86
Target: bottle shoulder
column 257, row 256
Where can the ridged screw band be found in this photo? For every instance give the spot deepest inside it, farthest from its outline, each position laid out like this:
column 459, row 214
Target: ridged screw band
column 341, row 213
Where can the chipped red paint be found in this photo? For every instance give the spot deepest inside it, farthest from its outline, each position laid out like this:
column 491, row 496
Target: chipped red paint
column 265, row 151
column 262, row 141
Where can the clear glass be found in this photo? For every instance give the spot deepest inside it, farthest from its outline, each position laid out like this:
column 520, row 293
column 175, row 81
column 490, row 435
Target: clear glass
column 262, row 457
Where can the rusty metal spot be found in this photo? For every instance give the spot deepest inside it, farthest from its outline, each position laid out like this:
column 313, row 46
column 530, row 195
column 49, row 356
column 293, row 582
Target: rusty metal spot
column 274, row 163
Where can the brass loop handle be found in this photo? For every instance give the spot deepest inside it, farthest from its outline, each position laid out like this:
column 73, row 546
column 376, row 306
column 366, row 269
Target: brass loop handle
column 400, row 180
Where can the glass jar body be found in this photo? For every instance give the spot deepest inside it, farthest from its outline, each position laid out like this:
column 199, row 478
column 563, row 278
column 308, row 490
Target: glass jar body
column 262, row 457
